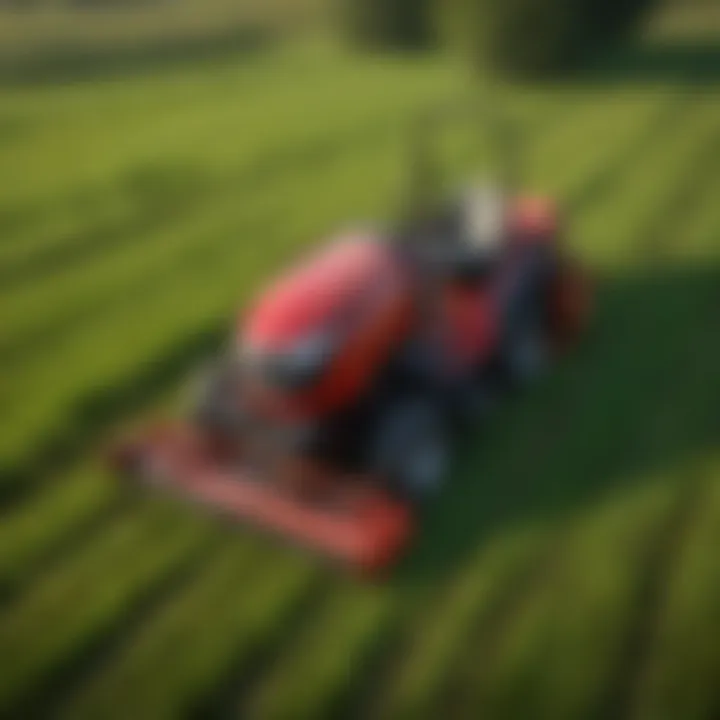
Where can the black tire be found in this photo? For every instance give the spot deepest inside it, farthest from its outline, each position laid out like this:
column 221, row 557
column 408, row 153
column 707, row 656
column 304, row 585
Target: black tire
column 411, row 447
column 529, row 348
column 528, row 345
column 477, row 397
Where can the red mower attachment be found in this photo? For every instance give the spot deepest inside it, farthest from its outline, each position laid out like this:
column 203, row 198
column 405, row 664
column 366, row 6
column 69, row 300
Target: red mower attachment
column 352, row 520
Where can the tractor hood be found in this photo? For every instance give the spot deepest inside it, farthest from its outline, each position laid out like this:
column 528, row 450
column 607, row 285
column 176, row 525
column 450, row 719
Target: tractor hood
column 319, row 296
column 320, row 333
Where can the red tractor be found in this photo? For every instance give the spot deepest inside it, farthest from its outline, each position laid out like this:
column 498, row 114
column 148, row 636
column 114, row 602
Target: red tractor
column 335, row 410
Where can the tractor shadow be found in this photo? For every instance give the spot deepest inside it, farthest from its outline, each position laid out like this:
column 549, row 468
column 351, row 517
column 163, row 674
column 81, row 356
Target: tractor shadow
column 635, row 400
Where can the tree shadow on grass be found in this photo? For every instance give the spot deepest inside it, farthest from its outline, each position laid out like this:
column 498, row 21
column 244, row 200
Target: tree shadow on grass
column 679, row 62
column 633, row 402
column 64, row 64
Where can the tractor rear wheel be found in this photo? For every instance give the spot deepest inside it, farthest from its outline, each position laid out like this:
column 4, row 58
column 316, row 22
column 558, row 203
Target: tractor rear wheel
column 528, row 350
column 411, row 447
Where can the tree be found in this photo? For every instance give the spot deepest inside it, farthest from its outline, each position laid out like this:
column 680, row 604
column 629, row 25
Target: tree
column 389, row 24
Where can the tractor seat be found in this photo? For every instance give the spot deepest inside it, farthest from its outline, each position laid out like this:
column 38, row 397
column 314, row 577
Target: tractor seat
column 476, row 242
column 466, row 265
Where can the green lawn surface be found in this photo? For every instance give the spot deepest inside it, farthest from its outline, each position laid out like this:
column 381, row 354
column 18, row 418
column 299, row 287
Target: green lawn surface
column 569, row 571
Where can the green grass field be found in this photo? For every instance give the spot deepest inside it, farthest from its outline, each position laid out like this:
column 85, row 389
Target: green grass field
column 571, row 569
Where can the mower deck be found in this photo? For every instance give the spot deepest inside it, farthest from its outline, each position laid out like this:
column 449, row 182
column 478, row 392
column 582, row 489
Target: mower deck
column 353, row 521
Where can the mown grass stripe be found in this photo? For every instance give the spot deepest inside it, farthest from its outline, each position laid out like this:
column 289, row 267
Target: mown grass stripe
column 45, row 530
column 62, row 682
column 483, row 595
column 164, row 632
column 661, row 124
column 341, row 640
column 619, row 697
column 679, row 678
column 588, row 142
column 137, row 551
column 634, row 663
column 668, row 229
column 249, row 613
column 614, row 225
column 536, row 667
column 236, row 682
